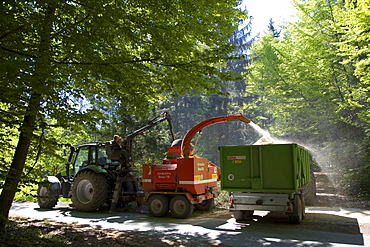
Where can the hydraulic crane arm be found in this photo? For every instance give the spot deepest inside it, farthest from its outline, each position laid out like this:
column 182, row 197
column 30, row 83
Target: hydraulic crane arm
column 152, row 122
column 185, row 147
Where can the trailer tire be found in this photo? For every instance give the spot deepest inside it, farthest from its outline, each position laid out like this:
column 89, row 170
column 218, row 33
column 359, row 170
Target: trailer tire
column 310, row 191
column 158, row 205
column 89, row 191
column 296, row 217
column 303, row 206
column 205, row 205
column 45, row 198
column 242, row 214
column 180, row 207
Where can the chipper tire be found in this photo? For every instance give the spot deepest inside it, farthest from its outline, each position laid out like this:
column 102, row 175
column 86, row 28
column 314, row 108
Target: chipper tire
column 206, row 205
column 89, row 191
column 180, row 207
column 44, row 198
column 158, row 205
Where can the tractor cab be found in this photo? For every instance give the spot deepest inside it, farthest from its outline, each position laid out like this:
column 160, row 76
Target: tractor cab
column 94, row 155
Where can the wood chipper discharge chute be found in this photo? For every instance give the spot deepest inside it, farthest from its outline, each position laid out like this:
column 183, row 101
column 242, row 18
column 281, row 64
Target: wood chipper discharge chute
column 184, row 179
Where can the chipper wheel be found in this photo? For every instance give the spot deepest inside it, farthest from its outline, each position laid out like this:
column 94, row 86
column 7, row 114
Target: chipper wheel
column 89, row 191
column 180, row 207
column 158, row 205
column 44, row 198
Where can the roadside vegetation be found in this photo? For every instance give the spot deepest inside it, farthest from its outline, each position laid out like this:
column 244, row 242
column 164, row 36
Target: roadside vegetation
column 66, row 78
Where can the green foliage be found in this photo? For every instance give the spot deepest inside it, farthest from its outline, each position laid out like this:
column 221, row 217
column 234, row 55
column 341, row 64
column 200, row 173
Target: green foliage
column 189, row 110
column 63, row 63
column 353, row 27
column 309, row 93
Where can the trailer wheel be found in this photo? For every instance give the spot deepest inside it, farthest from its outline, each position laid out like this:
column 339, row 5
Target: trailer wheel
column 158, row 205
column 44, row 198
column 310, row 191
column 303, row 206
column 89, row 191
column 205, row 205
column 296, row 217
column 180, row 207
column 242, row 214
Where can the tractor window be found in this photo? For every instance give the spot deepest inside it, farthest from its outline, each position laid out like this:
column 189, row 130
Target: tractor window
column 102, row 156
column 82, row 158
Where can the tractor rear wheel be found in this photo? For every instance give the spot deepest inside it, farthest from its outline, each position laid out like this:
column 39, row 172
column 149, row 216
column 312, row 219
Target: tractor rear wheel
column 44, row 198
column 180, row 207
column 89, row 191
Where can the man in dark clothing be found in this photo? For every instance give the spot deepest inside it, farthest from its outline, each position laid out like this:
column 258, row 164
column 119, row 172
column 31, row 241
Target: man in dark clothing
column 116, row 148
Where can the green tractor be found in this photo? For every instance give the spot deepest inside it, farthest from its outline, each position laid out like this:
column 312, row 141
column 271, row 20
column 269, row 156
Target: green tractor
column 95, row 176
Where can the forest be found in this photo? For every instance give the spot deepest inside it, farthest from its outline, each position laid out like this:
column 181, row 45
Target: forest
column 76, row 71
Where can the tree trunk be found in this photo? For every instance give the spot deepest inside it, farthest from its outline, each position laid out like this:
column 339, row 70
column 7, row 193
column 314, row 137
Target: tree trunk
column 19, row 160
column 42, row 73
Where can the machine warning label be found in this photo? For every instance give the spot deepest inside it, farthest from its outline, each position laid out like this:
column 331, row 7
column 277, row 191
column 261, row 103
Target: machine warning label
column 236, row 157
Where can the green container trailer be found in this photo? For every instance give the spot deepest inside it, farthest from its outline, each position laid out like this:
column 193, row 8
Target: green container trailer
column 266, row 177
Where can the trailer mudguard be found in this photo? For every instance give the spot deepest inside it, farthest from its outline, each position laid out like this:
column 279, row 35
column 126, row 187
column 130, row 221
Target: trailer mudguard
column 55, row 187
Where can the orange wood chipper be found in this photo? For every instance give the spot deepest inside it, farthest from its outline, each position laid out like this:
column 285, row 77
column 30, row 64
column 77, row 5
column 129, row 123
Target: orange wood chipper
column 184, row 180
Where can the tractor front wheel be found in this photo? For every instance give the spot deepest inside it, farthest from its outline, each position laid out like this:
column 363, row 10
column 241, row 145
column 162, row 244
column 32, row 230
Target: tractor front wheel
column 45, row 199
column 89, row 191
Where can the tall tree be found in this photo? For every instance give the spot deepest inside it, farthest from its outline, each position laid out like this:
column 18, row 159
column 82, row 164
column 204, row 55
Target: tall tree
column 190, row 109
column 272, row 28
column 304, row 87
column 55, row 54
column 353, row 26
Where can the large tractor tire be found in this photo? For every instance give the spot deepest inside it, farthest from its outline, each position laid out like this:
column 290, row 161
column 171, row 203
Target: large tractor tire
column 89, row 191
column 45, row 198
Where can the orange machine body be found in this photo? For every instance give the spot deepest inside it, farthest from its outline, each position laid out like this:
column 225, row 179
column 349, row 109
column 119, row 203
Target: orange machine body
column 194, row 175
column 184, row 172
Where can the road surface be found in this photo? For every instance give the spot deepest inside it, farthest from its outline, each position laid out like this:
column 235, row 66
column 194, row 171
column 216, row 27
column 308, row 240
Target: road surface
column 323, row 226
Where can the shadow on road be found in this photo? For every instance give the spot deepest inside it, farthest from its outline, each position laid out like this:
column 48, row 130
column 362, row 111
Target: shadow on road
column 318, row 229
